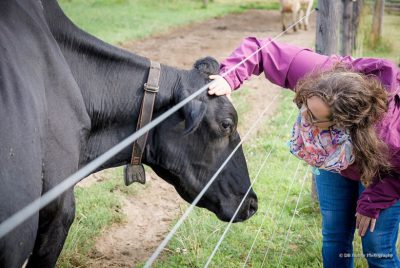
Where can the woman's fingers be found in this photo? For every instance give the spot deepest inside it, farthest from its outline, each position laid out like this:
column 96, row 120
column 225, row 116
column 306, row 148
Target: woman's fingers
column 365, row 226
column 358, row 219
column 372, row 228
column 211, row 88
column 363, row 222
column 219, row 86
column 221, row 90
column 214, row 85
column 217, row 90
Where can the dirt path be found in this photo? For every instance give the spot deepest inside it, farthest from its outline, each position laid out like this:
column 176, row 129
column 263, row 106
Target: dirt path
column 151, row 211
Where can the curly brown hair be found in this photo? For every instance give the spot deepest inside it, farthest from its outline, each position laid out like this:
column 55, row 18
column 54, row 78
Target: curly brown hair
column 357, row 102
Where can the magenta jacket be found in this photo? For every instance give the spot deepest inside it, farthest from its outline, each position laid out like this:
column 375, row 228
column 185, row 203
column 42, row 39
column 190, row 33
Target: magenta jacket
column 285, row 64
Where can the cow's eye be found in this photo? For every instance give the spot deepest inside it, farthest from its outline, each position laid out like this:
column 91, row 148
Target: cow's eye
column 227, row 126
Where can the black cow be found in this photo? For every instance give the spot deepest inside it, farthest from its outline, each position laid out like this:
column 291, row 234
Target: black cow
column 66, row 97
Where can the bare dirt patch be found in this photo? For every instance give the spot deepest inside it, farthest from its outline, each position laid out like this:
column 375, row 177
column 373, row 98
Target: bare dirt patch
column 151, row 211
column 148, row 217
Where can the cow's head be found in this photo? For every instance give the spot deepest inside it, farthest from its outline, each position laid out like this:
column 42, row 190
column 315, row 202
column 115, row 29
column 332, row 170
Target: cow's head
column 189, row 147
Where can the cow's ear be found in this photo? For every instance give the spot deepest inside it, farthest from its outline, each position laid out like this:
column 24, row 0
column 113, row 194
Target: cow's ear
column 194, row 113
column 207, row 66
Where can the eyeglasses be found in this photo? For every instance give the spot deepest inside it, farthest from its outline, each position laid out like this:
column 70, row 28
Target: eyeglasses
column 312, row 120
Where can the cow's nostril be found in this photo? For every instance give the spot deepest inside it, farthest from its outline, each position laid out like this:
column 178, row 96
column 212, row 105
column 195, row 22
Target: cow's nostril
column 253, row 206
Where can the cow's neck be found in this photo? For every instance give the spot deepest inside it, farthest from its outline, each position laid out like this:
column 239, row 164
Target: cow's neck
column 111, row 81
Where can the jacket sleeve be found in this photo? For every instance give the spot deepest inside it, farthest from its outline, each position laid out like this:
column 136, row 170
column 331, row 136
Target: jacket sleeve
column 282, row 64
column 378, row 196
column 386, row 71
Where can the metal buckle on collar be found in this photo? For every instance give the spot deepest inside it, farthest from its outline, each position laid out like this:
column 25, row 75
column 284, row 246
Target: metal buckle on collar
column 134, row 173
column 151, row 88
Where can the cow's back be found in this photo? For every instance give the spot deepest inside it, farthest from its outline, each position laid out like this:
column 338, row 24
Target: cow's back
column 42, row 117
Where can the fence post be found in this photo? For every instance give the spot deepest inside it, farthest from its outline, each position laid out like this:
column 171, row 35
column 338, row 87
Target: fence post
column 327, row 41
column 347, row 27
column 328, row 25
column 377, row 20
column 357, row 8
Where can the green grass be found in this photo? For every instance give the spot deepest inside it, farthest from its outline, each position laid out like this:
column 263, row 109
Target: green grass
column 296, row 244
column 388, row 46
column 117, row 21
column 201, row 232
column 97, row 206
column 268, row 5
column 196, row 239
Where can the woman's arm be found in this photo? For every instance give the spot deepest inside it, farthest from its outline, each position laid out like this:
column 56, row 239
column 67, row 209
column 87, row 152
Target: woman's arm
column 386, row 71
column 282, row 64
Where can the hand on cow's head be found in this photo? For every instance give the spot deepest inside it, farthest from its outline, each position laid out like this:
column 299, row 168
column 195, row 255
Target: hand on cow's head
column 189, row 147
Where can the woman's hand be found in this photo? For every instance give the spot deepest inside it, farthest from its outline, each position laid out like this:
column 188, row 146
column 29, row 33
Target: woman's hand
column 362, row 223
column 219, row 87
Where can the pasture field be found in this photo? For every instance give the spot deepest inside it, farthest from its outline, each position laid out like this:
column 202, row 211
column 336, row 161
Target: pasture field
column 140, row 18
column 286, row 229
column 290, row 234
column 389, row 45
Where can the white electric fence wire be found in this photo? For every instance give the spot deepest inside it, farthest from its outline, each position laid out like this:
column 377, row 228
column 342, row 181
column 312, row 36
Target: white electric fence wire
column 159, row 249
column 281, row 212
column 273, row 197
column 294, row 213
column 265, row 45
column 200, row 195
column 263, row 220
column 28, row 211
column 236, row 212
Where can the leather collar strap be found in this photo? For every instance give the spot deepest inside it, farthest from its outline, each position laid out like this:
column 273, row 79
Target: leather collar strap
column 135, row 171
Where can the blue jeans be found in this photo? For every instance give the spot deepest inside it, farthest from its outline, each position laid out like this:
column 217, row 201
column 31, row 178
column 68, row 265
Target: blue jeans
column 338, row 200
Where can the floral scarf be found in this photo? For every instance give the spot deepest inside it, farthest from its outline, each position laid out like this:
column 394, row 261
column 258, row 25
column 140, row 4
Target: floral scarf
column 329, row 149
